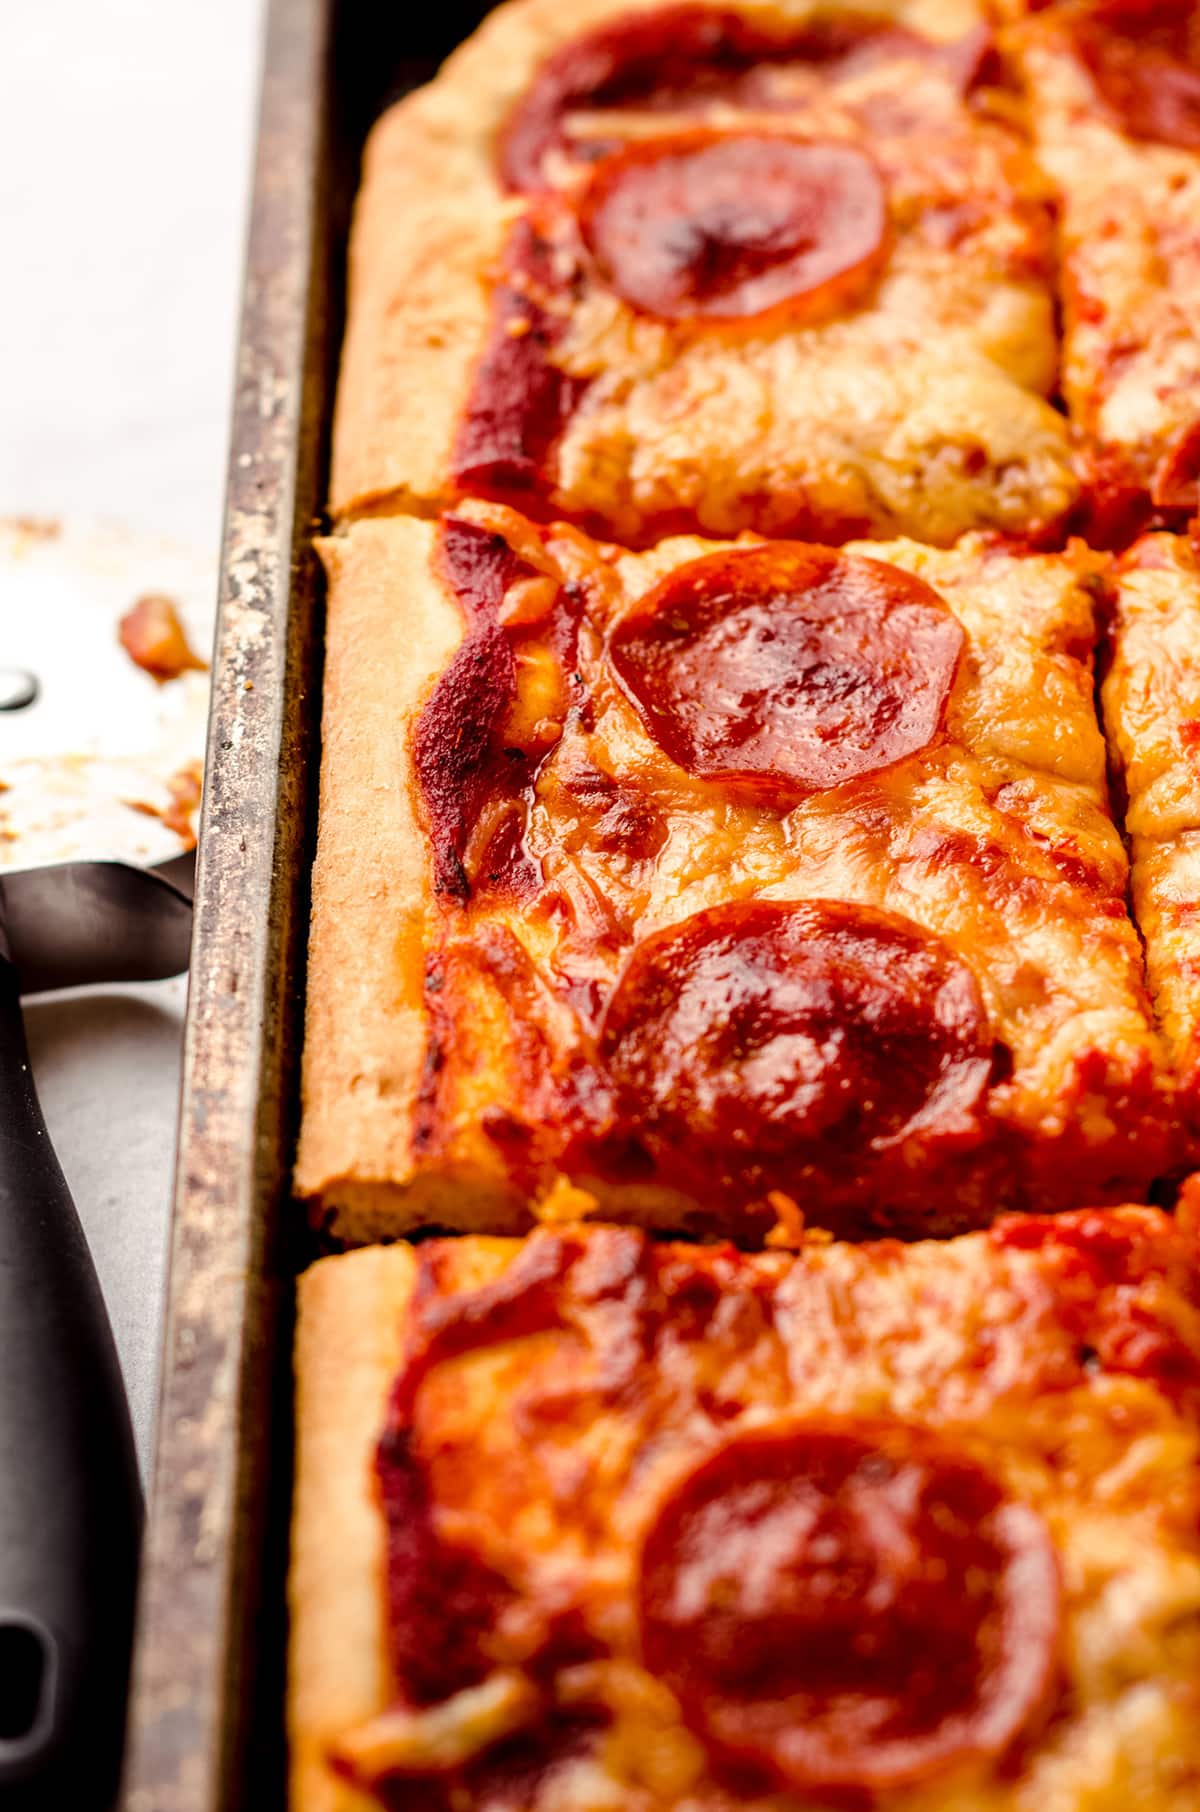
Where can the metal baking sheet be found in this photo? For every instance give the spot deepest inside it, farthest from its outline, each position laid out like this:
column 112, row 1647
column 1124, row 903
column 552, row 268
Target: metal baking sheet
column 206, row 1724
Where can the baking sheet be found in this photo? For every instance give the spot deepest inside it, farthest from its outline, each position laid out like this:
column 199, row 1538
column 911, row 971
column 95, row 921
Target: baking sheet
column 206, row 1731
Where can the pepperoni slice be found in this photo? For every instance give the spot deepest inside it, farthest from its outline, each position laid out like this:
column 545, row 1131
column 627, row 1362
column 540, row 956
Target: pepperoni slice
column 693, row 60
column 790, row 667
column 704, row 227
column 1144, row 59
column 671, row 57
column 850, row 1607
column 758, row 1044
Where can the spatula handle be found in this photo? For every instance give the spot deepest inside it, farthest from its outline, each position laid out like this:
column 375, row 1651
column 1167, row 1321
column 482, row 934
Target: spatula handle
column 70, row 1504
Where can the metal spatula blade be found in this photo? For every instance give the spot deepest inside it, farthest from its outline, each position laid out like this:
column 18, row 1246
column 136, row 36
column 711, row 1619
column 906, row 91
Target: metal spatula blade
column 77, row 924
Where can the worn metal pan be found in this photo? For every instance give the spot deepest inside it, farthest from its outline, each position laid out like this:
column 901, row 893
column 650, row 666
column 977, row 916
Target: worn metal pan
column 206, row 1722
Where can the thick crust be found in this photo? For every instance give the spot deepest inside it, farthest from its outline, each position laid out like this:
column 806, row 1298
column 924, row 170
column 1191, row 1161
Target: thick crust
column 997, row 839
column 1152, row 712
column 1059, row 1356
column 1130, row 287
column 349, row 1341
column 920, row 410
column 390, row 631
column 426, row 230
column 351, row 1328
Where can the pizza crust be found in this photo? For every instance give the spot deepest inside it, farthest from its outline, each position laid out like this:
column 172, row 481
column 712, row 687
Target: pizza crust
column 348, row 1348
column 390, row 631
column 351, row 1326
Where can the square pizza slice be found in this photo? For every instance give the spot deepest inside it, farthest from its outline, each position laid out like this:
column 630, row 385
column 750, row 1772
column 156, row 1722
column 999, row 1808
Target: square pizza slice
column 1115, row 110
column 1152, row 715
column 785, row 267
column 692, row 883
column 591, row 1523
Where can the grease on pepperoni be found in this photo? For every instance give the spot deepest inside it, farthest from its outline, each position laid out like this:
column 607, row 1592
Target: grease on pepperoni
column 1144, row 59
column 729, row 228
column 850, row 1607
column 762, row 1045
column 788, row 666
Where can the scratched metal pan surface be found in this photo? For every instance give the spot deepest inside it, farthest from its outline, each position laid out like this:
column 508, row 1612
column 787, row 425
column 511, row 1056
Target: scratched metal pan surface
column 206, row 1721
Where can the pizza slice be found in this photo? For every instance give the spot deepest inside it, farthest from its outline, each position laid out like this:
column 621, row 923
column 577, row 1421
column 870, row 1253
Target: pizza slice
column 589, row 1521
column 1152, row 713
column 782, row 267
column 689, row 883
column 1115, row 109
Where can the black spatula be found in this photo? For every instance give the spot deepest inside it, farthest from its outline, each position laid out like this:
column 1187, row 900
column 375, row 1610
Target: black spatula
column 70, row 1503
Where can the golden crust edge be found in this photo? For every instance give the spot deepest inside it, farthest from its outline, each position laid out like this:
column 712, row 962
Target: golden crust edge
column 348, row 1348
column 350, row 1337
column 391, row 632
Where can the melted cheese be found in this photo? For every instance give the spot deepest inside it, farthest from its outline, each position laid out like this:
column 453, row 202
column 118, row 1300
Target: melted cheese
column 550, row 1476
column 1131, row 266
column 997, row 838
column 1152, row 712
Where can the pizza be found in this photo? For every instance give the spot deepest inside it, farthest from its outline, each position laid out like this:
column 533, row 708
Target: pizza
column 1152, row 710
column 755, row 916
column 667, row 883
column 786, row 268
column 1115, row 108
column 589, row 1521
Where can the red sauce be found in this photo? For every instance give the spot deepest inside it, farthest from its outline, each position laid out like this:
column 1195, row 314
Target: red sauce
column 1115, row 507
column 441, row 1599
column 457, row 751
column 706, row 227
column 1176, row 481
column 520, row 401
column 788, row 666
column 685, row 59
column 1144, row 58
column 854, row 1607
column 490, row 961
column 1130, row 1286
column 506, row 866
column 762, row 1046
column 614, row 1280
column 461, row 753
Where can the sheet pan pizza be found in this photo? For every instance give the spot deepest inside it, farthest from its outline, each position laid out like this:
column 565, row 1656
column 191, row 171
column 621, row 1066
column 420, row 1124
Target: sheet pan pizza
column 747, row 870
column 756, row 925
column 595, row 1521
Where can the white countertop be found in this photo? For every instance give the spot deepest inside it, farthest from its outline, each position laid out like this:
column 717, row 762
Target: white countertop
column 125, row 145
